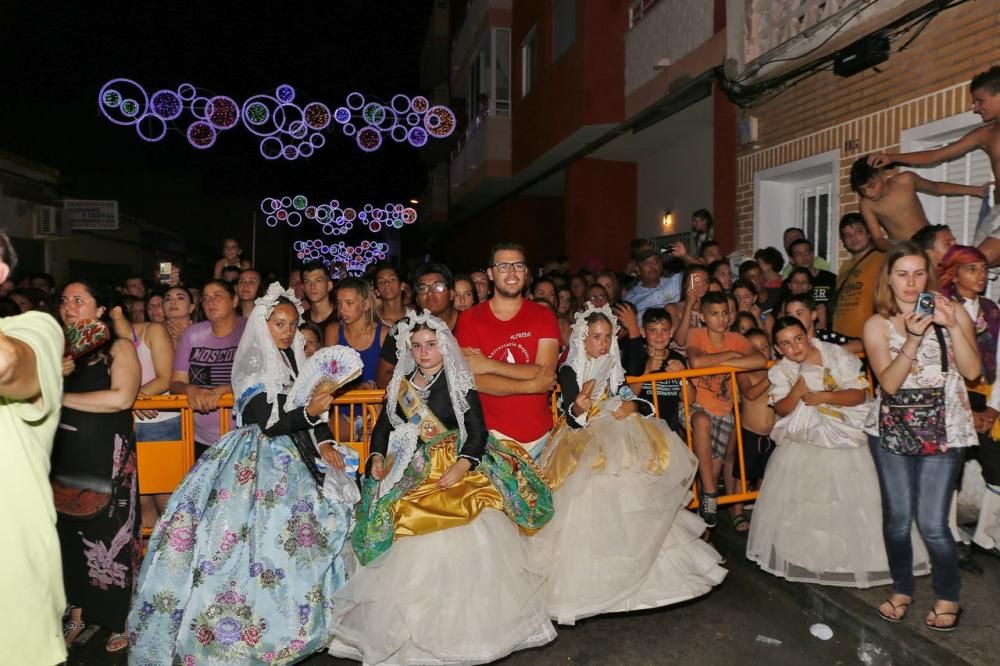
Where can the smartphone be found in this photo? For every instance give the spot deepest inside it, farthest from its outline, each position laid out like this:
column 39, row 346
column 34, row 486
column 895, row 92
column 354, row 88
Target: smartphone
column 925, row 304
column 166, row 268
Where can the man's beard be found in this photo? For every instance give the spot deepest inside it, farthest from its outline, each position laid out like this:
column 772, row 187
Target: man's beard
column 509, row 292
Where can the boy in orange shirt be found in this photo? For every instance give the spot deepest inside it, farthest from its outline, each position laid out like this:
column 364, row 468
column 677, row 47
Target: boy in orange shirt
column 712, row 421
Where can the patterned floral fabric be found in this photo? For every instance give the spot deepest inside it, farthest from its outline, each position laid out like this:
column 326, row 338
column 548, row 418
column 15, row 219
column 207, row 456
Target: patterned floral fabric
column 244, row 562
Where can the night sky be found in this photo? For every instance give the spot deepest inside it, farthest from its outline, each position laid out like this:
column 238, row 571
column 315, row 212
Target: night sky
column 56, row 56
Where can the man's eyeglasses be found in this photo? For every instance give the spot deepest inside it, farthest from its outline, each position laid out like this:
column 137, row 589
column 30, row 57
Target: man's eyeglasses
column 437, row 287
column 506, row 267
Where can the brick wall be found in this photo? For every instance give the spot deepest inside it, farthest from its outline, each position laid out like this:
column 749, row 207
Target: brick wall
column 868, row 112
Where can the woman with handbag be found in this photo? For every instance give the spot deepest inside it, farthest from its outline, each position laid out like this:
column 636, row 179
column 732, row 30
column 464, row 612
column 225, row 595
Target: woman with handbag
column 94, row 455
column 919, row 424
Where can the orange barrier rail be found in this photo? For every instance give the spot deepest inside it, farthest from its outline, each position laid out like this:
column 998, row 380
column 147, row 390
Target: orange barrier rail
column 162, row 465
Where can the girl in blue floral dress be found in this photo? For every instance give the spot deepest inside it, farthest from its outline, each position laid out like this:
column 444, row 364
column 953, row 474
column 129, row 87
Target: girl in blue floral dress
column 244, row 562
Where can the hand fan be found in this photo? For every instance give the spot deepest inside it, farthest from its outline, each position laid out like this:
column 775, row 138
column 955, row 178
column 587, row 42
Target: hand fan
column 599, row 370
column 84, row 336
column 328, row 370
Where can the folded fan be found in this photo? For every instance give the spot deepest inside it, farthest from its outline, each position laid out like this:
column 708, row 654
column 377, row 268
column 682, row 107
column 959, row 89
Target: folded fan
column 328, row 370
column 84, row 336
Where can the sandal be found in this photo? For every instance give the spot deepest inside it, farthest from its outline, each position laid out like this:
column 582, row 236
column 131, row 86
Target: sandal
column 70, row 626
column 741, row 524
column 933, row 626
column 905, row 605
column 116, row 643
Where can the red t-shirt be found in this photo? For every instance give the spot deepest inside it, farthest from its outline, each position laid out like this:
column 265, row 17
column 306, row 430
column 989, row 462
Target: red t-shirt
column 523, row 417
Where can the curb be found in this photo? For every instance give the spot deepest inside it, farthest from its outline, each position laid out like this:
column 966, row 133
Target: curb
column 905, row 645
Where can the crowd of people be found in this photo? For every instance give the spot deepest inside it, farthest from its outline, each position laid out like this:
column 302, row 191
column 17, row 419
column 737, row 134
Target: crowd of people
column 857, row 400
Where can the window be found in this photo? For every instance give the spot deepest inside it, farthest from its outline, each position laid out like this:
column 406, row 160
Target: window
column 815, row 213
column 529, row 49
column 563, row 26
column 962, row 213
column 501, row 58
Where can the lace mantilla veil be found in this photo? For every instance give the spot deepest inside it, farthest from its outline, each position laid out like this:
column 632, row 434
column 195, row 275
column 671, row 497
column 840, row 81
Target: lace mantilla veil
column 403, row 438
column 609, row 367
column 259, row 366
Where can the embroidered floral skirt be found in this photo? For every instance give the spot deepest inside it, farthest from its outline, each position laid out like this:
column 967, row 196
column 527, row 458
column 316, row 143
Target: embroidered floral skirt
column 244, row 562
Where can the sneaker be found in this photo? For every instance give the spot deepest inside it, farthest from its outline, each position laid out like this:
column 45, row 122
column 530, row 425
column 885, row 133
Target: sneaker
column 708, row 508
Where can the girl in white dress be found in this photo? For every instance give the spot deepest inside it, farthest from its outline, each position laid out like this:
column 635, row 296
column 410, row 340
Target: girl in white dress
column 620, row 539
column 818, row 517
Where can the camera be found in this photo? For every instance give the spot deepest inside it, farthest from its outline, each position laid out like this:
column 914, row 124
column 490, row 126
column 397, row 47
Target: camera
column 925, row 304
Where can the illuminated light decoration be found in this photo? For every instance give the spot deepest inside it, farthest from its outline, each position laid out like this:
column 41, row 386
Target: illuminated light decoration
column 369, row 139
column 285, row 93
column 354, row 258
column 440, row 121
column 316, row 115
column 334, row 220
column 271, row 221
column 151, row 128
column 417, row 137
column 166, row 104
column 284, row 129
column 111, row 98
column 201, row 135
column 222, row 112
column 373, row 113
column 420, row 104
column 342, row 115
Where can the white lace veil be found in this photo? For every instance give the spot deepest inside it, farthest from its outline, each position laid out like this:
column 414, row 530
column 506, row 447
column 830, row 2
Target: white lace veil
column 259, row 364
column 577, row 358
column 456, row 370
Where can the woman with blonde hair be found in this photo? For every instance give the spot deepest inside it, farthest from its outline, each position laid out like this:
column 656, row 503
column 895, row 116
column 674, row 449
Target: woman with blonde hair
column 921, row 347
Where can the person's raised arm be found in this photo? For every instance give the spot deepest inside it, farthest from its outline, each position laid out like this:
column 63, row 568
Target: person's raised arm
column 977, row 138
column 940, row 189
column 18, row 370
column 125, row 377
column 892, row 372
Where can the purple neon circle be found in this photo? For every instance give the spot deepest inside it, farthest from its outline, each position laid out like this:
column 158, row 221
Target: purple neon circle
column 305, row 149
column 316, row 115
column 355, row 101
column 269, row 103
column 271, row 221
column 285, row 93
column 166, row 104
column 201, row 134
column 368, row 139
column 113, row 85
column 317, row 140
column 417, row 137
column 147, row 133
column 294, row 218
column 349, row 129
column 290, row 152
column 412, row 119
column 222, row 112
column 398, row 134
column 400, row 103
column 186, row 92
column 342, row 115
column 271, row 147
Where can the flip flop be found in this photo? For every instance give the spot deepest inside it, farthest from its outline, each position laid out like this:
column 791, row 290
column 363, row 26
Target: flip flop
column 741, row 524
column 951, row 627
column 895, row 607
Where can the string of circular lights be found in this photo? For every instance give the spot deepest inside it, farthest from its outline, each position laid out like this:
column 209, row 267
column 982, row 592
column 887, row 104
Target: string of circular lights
column 334, row 219
column 286, row 128
column 355, row 258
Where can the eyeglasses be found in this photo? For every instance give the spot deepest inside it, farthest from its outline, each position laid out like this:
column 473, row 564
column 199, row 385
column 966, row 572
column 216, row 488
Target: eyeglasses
column 506, row 266
column 437, row 287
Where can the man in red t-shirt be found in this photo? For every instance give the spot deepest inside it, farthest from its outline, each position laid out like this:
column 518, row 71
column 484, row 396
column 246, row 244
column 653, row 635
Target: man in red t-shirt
column 512, row 345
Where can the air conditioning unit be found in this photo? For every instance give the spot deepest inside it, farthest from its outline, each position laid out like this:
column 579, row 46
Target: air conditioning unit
column 50, row 223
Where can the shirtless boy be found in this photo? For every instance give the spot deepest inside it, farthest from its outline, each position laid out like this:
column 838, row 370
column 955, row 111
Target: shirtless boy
column 891, row 203
column 985, row 90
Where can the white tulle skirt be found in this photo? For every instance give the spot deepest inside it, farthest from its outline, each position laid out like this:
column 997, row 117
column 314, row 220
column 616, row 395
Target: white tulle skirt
column 818, row 518
column 464, row 595
column 620, row 539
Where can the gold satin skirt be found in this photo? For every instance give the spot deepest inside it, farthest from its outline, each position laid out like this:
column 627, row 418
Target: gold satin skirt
column 428, row 508
column 639, row 444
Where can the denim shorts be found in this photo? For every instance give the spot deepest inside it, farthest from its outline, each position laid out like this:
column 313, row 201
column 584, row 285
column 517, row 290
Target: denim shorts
column 160, row 431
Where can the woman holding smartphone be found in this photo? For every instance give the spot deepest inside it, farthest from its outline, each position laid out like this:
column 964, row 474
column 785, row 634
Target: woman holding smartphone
column 921, row 347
